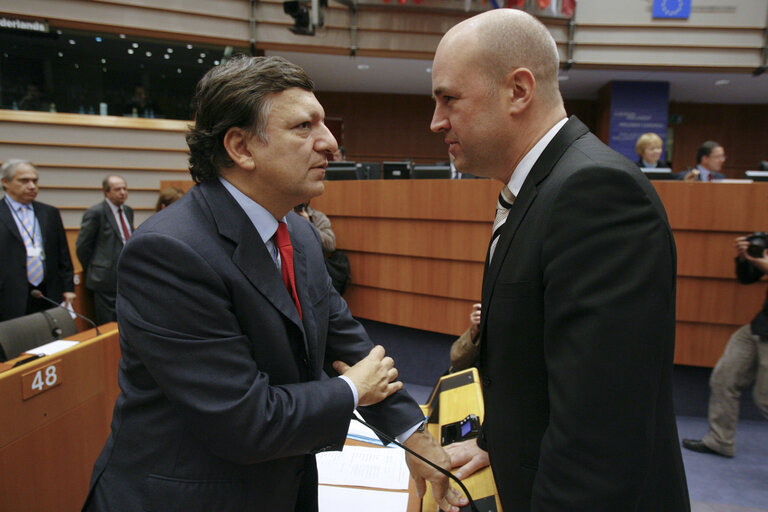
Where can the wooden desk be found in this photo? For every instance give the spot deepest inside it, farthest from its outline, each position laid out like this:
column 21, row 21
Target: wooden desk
column 50, row 441
column 417, row 247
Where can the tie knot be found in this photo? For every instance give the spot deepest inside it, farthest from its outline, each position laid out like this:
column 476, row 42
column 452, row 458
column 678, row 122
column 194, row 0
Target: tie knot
column 506, row 198
column 282, row 238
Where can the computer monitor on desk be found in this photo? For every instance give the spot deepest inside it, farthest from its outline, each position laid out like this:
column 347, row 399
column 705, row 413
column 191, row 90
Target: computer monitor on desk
column 757, row 175
column 396, row 170
column 369, row 170
column 658, row 173
column 341, row 171
column 432, row 172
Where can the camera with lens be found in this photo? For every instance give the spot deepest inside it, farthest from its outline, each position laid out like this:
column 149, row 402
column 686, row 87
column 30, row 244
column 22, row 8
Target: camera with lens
column 758, row 242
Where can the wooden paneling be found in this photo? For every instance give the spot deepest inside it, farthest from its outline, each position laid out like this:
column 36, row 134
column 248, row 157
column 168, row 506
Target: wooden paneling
column 422, row 276
column 417, row 251
column 437, row 314
column 49, row 442
column 741, row 129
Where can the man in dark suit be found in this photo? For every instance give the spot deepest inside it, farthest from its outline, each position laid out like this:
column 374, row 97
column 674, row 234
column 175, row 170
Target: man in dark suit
column 228, row 320
column 578, row 317
column 709, row 162
column 104, row 230
column 33, row 246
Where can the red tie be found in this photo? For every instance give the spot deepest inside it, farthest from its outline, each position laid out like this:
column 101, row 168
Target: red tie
column 283, row 240
column 126, row 233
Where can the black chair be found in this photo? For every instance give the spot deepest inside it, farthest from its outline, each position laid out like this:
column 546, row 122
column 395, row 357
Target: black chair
column 26, row 332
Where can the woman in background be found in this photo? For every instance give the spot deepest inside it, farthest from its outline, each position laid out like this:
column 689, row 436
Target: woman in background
column 167, row 196
column 648, row 148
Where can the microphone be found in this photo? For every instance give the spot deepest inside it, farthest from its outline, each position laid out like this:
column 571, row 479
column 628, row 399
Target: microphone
column 424, row 459
column 37, row 294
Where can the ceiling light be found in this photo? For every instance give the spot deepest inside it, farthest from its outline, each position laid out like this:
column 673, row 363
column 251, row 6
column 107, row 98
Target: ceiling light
column 71, row 41
column 98, row 39
column 130, row 51
column 59, row 32
column 103, row 61
column 122, row 36
column 189, row 47
column 202, row 55
column 199, row 61
column 61, row 54
column 148, row 54
column 215, row 63
column 363, row 66
column 77, row 66
column 178, row 70
column 722, row 82
column 135, row 45
column 104, row 70
column 166, row 56
column 169, row 50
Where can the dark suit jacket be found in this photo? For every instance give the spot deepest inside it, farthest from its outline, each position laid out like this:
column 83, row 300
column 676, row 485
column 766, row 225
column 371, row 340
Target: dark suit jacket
column 14, row 290
column 222, row 399
column 578, row 338
column 99, row 245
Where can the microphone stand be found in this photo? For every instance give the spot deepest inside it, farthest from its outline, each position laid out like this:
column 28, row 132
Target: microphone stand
column 37, row 294
column 441, row 470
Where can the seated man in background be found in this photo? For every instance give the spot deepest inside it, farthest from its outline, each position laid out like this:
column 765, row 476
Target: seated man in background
column 33, row 246
column 709, row 162
column 336, row 262
column 744, row 361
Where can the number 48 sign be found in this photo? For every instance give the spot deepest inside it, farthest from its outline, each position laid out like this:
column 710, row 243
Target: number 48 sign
column 40, row 380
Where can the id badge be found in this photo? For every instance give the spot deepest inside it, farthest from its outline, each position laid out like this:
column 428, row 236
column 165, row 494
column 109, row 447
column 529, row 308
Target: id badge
column 34, row 252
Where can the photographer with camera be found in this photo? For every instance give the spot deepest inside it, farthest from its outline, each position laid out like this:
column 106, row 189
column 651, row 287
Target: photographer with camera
column 744, row 361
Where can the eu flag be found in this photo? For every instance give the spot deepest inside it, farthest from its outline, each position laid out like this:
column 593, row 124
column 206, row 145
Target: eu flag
column 680, row 9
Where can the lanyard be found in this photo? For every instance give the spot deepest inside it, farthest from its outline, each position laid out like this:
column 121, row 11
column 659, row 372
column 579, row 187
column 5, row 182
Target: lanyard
column 34, row 223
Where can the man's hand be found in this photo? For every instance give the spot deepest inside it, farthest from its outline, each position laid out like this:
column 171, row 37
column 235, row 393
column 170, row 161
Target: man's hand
column 692, row 176
column 741, row 244
column 469, row 456
column 69, row 297
column 447, row 498
column 374, row 377
column 474, row 320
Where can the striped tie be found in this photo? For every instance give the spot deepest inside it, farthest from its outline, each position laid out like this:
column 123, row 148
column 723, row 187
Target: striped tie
column 506, row 198
column 34, row 263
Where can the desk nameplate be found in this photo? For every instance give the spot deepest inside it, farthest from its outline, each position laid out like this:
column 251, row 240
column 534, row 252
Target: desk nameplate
column 41, row 379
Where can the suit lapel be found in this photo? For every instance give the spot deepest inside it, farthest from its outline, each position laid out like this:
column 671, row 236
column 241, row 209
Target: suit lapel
column 251, row 255
column 571, row 131
column 302, row 283
column 111, row 219
column 6, row 217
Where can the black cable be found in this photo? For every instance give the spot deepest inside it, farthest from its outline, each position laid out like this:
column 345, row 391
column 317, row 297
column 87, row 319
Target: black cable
column 443, row 471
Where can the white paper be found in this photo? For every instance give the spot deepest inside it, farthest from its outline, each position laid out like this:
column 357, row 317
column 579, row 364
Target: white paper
column 362, row 433
column 334, row 499
column 52, row 347
column 383, row 468
column 68, row 306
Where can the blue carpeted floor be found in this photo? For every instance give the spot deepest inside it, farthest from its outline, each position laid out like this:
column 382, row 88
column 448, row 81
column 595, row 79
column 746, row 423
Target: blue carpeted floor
column 716, row 484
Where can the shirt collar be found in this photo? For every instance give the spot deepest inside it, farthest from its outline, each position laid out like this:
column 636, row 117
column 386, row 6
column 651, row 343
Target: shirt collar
column 16, row 205
column 259, row 216
column 112, row 206
column 526, row 164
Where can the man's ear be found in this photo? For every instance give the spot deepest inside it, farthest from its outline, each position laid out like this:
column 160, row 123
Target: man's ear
column 519, row 86
column 236, row 143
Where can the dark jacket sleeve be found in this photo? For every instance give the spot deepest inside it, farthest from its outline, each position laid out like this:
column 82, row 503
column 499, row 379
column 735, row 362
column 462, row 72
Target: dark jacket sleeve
column 746, row 272
column 86, row 239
